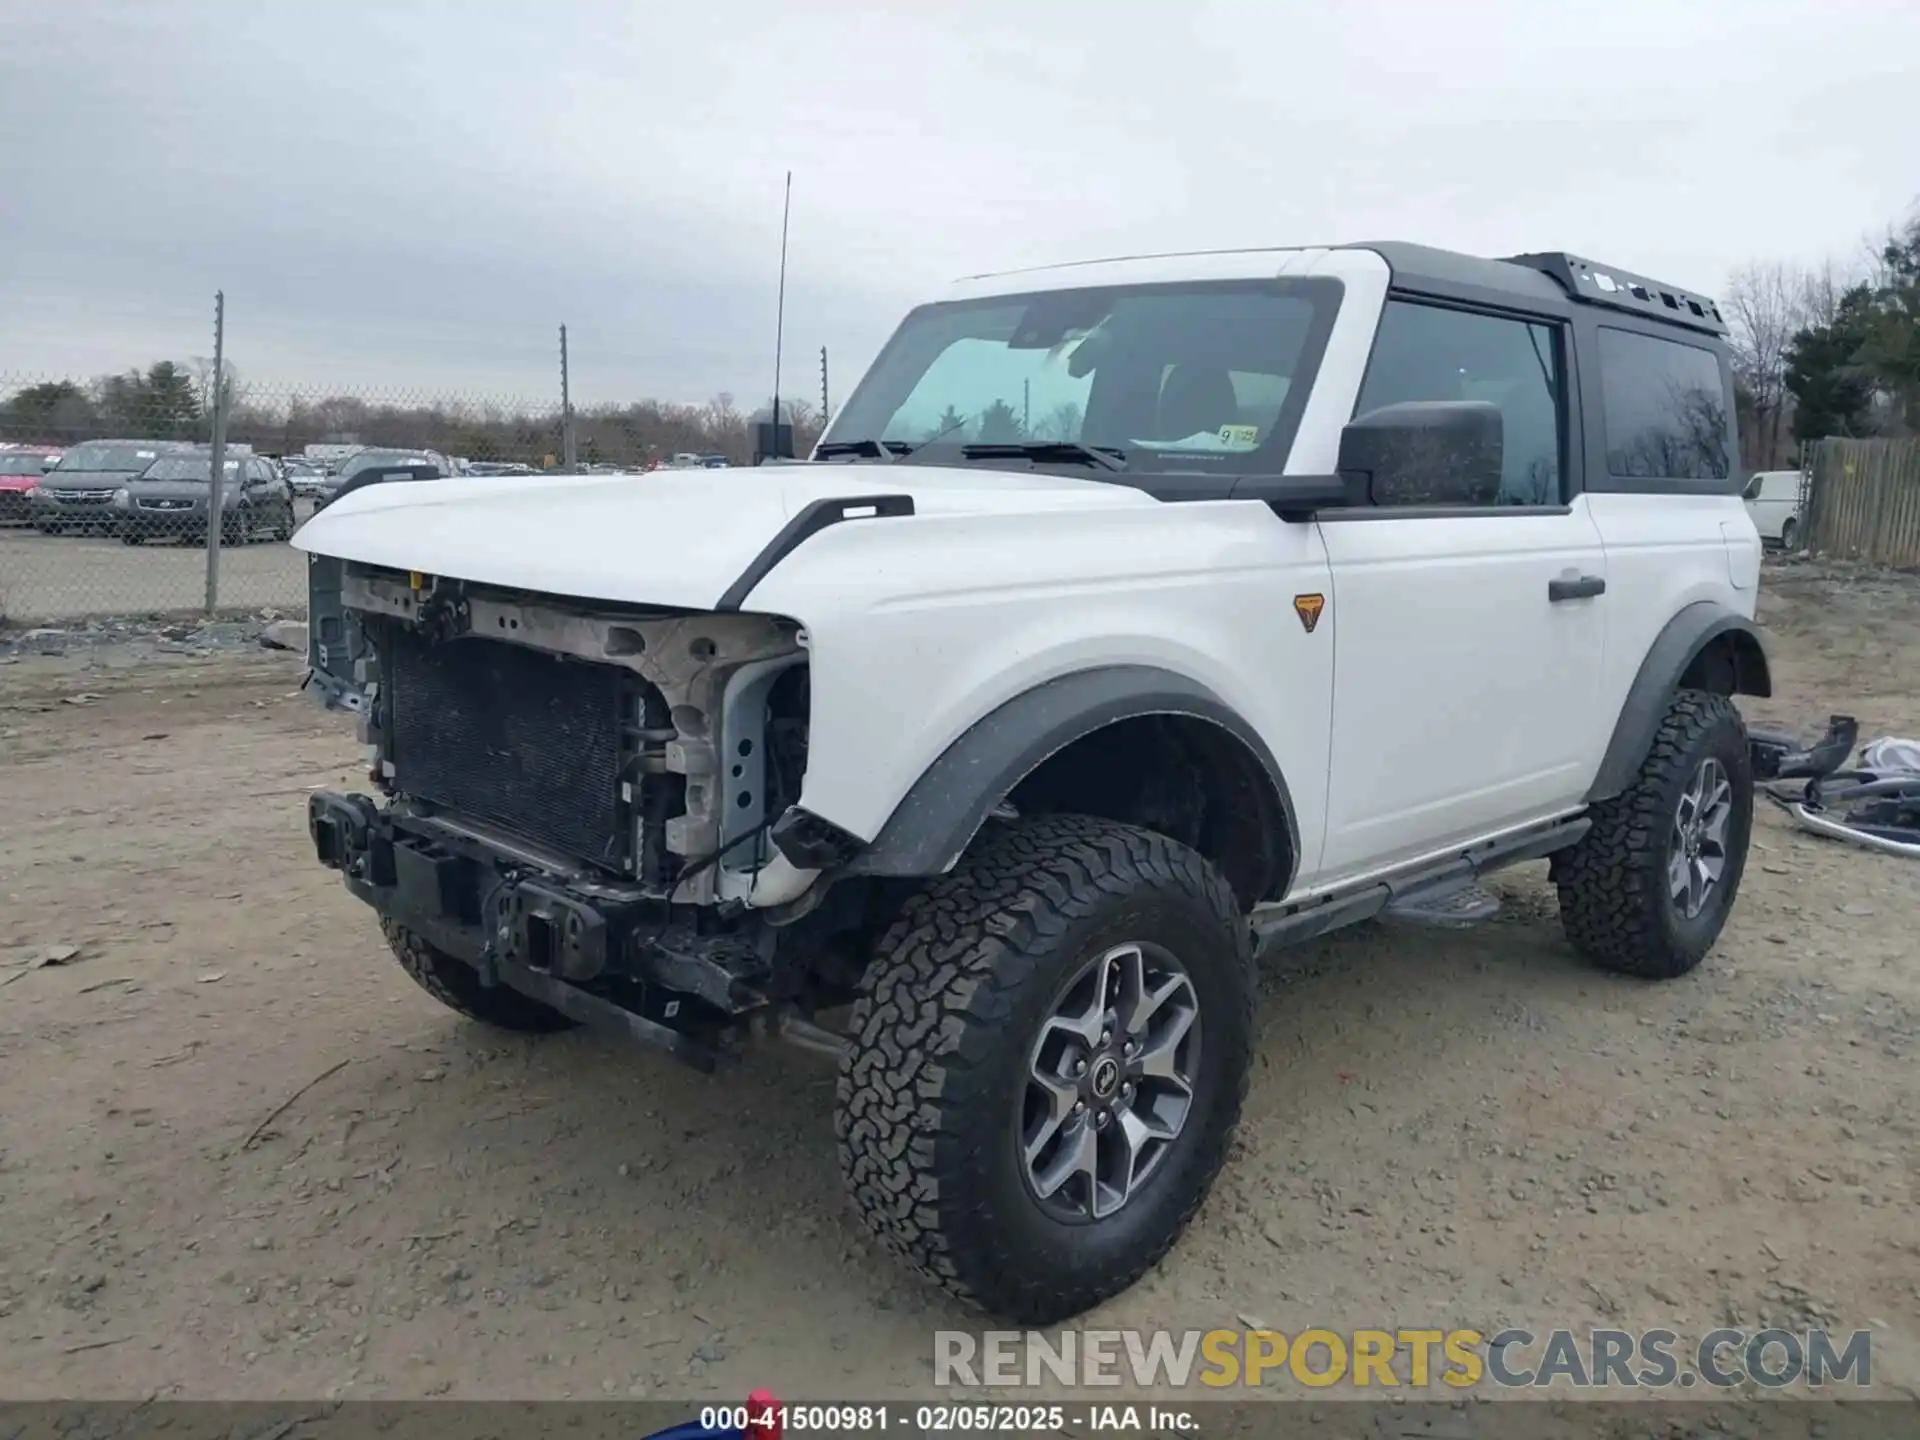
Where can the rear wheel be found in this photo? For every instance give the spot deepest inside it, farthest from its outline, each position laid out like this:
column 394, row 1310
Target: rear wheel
column 1049, row 1057
column 457, row 986
column 1789, row 532
column 1648, row 889
column 236, row 528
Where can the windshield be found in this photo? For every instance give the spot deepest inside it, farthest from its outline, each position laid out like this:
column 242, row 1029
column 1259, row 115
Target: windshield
column 1191, row 377
column 186, row 467
column 110, row 455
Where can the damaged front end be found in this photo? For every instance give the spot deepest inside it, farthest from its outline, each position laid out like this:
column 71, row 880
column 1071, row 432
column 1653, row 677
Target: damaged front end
column 580, row 801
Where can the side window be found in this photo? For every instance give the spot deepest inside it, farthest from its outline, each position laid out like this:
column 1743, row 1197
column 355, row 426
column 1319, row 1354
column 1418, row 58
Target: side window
column 1427, row 352
column 1666, row 409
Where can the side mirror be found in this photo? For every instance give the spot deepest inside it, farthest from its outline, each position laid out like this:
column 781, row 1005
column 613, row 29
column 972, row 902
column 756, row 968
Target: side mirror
column 1426, row 452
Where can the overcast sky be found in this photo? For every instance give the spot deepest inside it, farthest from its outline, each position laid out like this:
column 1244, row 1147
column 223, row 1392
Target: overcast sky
column 415, row 194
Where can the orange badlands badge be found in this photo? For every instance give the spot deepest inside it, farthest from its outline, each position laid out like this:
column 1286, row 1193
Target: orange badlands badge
column 1308, row 608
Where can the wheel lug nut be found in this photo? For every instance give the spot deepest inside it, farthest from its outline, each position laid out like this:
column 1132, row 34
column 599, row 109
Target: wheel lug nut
column 1079, row 1107
column 1106, row 1037
column 1079, row 1068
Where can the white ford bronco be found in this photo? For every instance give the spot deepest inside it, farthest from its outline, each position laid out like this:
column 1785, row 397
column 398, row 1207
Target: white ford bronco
column 1129, row 616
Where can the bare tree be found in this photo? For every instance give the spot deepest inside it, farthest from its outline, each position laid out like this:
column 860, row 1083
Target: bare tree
column 202, row 371
column 1764, row 309
column 1821, row 287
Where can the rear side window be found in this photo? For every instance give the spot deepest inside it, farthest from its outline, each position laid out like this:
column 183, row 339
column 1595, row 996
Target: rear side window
column 1666, row 409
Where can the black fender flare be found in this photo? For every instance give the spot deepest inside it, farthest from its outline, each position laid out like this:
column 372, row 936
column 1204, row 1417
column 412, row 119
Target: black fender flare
column 1673, row 652
column 934, row 822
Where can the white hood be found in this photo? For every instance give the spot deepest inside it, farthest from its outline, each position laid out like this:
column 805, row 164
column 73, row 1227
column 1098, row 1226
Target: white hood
column 674, row 538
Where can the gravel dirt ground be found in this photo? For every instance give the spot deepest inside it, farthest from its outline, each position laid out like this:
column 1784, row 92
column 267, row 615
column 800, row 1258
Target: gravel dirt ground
column 242, row 1156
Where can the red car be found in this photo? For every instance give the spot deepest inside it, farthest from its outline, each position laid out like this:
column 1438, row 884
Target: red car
column 20, row 471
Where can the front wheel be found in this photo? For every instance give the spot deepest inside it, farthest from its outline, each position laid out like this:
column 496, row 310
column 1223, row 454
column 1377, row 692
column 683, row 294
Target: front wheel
column 284, row 527
column 1648, row 889
column 1049, row 1056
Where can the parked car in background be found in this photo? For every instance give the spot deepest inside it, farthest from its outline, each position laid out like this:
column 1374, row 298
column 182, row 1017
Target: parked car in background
column 484, row 468
column 172, row 498
column 1773, row 500
column 21, row 471
column 371, row 467
column 77, row 494
column 308, row 480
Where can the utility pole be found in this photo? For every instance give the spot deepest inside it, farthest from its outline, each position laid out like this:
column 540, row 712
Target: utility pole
column 216, row 501
column 826, row 410
column 780, row 314
column 567, row 454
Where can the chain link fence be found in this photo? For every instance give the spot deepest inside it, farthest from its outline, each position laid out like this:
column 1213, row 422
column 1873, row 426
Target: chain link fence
column 108, row 499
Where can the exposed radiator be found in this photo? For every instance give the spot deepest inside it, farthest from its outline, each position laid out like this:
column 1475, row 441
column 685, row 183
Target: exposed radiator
column 518, row 739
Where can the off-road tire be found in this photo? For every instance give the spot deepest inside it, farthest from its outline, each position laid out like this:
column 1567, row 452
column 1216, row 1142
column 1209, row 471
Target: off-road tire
column 942, row 1033
column 1615, row 905
column 457, row 986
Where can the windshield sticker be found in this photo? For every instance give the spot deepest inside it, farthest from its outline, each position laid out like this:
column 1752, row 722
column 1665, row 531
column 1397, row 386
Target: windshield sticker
column 1240, row 437
column 1212, row 441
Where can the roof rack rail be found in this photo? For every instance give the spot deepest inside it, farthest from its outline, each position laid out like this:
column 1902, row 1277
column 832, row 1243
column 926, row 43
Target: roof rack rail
column 1598, row 284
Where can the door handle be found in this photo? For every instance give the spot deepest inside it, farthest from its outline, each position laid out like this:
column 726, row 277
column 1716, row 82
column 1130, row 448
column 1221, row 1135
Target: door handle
column 1575, row 587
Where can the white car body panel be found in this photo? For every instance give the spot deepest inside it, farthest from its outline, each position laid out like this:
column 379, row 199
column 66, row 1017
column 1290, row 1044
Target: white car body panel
column 918, row 629
column 1665, row 552
column 1465, row 700
column 598, row 536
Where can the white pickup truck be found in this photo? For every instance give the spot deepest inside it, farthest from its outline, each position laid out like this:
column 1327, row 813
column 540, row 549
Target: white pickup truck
column 1130, row 615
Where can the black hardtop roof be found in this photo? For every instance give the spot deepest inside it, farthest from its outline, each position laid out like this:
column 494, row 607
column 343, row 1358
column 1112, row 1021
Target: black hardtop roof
column 1549, row 278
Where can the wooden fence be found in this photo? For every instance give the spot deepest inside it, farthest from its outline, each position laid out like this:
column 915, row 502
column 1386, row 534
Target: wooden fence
column 1861, row 501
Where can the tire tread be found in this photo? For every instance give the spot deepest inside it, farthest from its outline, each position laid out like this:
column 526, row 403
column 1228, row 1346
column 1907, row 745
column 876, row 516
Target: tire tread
column 1611, row 884
column 457, row 986
column 941, row 985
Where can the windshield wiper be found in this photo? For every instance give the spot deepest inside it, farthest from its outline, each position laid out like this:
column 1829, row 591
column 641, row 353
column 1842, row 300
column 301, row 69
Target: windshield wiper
column 1104, row 456
column 873, row 449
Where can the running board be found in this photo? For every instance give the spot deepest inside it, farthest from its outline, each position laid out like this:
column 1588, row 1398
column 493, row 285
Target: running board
column 1452, row 904
column 1415, row 894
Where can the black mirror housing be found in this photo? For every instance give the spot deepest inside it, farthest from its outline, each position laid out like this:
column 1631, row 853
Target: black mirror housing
column 1426, row 452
